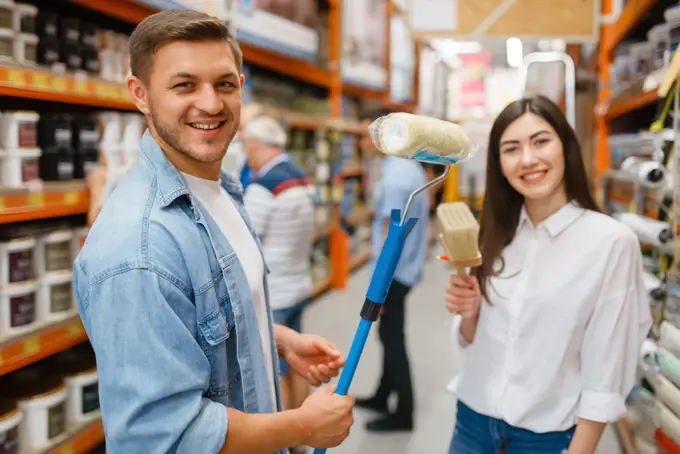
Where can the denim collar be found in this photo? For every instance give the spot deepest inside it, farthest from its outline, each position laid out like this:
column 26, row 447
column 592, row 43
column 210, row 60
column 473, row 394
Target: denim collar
column 171, row 184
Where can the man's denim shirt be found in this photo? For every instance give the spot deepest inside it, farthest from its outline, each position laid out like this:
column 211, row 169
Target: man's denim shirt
column 167, row 307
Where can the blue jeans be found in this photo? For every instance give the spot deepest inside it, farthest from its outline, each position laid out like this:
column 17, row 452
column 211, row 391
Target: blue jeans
column 290, row 317
column 479, row 434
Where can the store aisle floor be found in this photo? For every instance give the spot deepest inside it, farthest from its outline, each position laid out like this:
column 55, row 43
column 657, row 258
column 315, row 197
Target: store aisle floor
column 433, row 363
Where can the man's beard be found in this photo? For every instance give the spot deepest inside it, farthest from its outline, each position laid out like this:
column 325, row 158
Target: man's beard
column 170, row 137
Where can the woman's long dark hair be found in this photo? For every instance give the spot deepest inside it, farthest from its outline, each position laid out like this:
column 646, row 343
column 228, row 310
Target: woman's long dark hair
column 502, row 203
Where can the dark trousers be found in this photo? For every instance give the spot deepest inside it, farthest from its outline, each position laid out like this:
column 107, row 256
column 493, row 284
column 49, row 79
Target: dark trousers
column 396, row 375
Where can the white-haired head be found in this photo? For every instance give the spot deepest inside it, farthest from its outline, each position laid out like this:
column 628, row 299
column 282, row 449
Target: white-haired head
column 264, row 139
column 265, row 130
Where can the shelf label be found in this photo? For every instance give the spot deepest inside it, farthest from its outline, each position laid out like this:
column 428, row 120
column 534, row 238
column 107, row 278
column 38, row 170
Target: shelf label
column 59, row 84
column 75, row 329
column 100, row 90
column 71, row 198
column 16, row 77
column 36, row 200
column 2, row 203
column 81, row 87
column 1, row 362
column 67, row 449
column 31, row 345
column 40, row 80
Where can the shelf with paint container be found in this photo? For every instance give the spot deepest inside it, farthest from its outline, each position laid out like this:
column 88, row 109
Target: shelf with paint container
column 37, row 311
column 53, row 405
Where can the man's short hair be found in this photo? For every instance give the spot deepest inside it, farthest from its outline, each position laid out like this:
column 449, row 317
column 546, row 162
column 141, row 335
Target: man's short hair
column 176, row 25
column 265, row 130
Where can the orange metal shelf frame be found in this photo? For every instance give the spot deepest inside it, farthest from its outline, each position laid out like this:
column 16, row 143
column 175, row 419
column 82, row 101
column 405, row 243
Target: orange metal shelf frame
column 85, row 440
column 630, row 16
column 631, row 103
column 42, row 85
column 53, row 201
column 27, row 349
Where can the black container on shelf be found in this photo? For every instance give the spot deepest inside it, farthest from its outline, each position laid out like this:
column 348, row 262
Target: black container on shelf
column 47, row 25
column 91, row 60
column 69, row 30
column 88, row 35
column 71, row 55
column 55, row 139
column 48, row 51
column 85, row 145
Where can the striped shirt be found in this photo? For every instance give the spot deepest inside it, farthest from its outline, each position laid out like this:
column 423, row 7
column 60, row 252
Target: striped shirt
column 280, row 203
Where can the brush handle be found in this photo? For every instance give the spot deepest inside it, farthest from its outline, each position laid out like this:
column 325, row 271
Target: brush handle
column 462, row 271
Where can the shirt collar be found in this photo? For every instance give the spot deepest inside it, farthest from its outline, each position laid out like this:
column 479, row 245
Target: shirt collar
column 171, row 184
column 558, row 221
column 270, row 164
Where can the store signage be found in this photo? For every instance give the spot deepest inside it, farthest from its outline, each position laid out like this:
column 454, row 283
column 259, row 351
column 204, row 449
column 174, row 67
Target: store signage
column 570, row 20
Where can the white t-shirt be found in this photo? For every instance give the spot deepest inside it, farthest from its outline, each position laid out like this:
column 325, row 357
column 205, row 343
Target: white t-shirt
column 221, row 208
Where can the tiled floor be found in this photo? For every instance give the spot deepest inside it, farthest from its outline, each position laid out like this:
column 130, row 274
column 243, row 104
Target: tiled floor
column 433, row 363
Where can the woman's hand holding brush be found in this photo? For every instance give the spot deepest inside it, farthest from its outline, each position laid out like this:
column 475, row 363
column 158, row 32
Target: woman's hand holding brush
column 463, row 296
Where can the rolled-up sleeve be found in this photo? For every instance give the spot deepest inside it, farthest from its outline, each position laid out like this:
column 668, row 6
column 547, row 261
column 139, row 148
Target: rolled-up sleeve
column 610, row 352
column 152, row 372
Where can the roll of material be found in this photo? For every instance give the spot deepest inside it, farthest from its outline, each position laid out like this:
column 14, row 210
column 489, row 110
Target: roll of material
column 647, row 172
column 667, row 393
column 669, row 337
column 648, row 230
column 669, row 365
column 421, row 138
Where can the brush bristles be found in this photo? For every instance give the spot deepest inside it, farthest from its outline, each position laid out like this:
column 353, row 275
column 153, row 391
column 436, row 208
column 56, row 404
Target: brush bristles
column 459, row 231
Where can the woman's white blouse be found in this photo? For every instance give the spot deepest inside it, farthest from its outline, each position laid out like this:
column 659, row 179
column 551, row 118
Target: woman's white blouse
column 561, row 338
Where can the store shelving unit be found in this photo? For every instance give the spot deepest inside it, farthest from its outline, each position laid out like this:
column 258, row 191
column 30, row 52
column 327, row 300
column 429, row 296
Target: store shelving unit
column 51, row 201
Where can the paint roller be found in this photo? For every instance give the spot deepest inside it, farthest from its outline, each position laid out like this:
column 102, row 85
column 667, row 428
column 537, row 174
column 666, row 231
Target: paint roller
column 422, row 139
column 648, row 172
column 648, row 230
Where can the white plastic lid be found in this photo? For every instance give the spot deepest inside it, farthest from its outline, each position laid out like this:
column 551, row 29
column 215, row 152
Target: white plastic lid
column 56, row 278
column 672, row 14
column 6, row 32
column 21, row 153
column 25, row 8
column 7, row 4
column 19, row 288
column 659, row 31
column 27, row 37
column 22, row 115
column 58, row 236
column 20, row 244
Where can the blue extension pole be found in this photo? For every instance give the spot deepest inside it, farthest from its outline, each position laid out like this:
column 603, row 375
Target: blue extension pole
column 375, row 297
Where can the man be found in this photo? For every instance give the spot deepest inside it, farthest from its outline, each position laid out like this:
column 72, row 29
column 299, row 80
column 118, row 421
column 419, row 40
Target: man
column 171, row 284
column 280, row 203
column 399, row 178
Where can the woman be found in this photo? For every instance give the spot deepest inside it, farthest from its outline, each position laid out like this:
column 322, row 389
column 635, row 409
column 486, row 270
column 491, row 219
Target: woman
column 554, row 318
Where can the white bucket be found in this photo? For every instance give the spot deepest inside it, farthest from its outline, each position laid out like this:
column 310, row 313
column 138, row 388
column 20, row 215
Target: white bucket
column 17, row 261
column 18, row 308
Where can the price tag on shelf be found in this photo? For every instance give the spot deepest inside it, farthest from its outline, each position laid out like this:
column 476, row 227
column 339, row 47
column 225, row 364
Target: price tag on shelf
column 67, row 449
column 100, row 90
column 125, row 95
column 75, row 329
column 1, row 362
column 81, row 88
column 40, row 80
column 31, row 345
column 2, row 203
column 71, row 198
column 59, row 84
column 36, row 200
column 16, row 77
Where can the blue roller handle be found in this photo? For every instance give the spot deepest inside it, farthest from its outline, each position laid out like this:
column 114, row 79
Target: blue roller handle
column 375, row 295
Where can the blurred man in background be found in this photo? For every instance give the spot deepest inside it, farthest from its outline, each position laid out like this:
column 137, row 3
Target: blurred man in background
column 398, row 178
column 280, row 203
